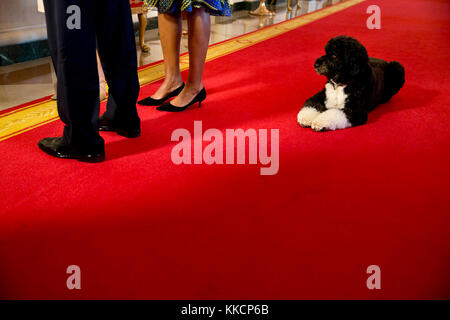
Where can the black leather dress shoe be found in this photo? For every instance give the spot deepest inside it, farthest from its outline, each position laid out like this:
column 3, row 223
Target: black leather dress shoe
column 108, row 125
column 56, row 147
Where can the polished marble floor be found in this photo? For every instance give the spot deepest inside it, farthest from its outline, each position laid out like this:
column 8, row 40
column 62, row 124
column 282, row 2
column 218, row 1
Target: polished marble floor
column 28, row 81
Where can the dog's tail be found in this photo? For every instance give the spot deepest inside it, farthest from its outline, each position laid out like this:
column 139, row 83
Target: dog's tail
column 394, row 79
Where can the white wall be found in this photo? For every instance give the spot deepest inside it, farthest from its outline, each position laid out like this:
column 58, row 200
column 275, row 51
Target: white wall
column 20, row 22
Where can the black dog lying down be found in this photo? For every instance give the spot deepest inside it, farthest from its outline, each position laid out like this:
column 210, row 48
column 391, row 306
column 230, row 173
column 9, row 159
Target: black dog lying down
column 356, row 85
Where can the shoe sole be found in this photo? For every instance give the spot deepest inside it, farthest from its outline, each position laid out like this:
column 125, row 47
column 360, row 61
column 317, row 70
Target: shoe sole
column 90, row 159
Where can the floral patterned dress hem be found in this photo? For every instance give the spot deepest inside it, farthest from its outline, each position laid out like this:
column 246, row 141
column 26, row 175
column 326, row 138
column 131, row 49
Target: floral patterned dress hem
column 214, row 7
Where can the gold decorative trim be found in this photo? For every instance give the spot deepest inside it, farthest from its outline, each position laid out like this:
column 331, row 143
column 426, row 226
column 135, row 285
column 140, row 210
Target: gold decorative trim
column 32, row 116
column 27, row 118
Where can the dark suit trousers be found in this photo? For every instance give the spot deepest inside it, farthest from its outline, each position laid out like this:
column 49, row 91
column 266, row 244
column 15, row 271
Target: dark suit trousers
column 106, row 25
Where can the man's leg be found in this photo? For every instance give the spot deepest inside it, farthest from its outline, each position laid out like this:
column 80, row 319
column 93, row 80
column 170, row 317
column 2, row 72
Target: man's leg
column 72, row 48
column 117, row 50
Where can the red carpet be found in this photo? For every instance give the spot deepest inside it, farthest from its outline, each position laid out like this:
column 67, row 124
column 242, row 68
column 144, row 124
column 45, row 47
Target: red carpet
column 141, row 227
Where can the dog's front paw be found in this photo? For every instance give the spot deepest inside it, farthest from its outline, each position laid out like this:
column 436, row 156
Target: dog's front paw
column 330, row 120
column 306, row 116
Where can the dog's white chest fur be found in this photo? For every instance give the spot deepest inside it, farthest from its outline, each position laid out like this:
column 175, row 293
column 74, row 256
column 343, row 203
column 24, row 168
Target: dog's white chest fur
column 336, row 96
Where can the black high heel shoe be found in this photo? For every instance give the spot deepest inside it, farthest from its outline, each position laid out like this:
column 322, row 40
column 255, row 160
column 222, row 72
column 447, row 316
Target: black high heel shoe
column 149, row 101
column 171, row 108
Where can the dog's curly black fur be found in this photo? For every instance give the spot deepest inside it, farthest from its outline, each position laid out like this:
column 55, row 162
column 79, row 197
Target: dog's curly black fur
column 356, row 85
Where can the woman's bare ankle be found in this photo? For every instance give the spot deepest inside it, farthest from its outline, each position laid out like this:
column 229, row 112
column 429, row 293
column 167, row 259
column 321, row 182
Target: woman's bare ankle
column 167, row 87
column 194, row 88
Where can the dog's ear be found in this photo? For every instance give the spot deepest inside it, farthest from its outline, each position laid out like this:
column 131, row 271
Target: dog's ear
column 357, row 58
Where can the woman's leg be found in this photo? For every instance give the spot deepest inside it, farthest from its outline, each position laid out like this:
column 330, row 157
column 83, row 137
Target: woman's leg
column 101, row 78
column 142, row 27
column 199, row 25
column 170, row 34
column 54, row 81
